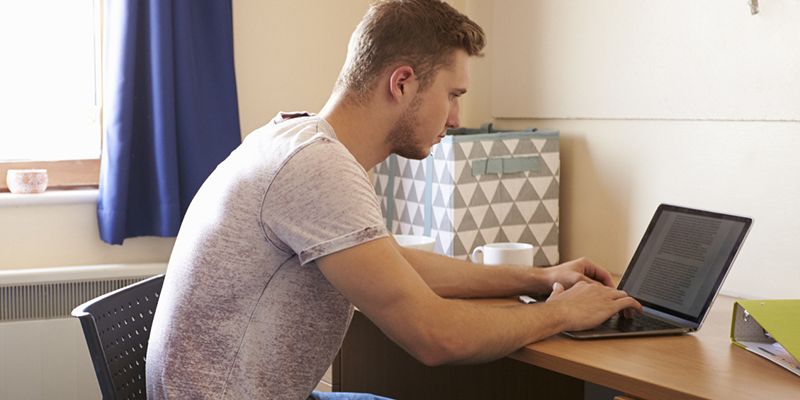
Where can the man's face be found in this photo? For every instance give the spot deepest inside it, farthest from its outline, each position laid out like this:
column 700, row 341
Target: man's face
column 432, row 111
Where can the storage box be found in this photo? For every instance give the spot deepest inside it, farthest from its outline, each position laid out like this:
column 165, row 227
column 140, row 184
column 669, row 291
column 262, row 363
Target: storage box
column 478, row 186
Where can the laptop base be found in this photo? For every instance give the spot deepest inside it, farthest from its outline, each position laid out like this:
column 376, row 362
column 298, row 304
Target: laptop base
column 582, row 335
column 618, row 326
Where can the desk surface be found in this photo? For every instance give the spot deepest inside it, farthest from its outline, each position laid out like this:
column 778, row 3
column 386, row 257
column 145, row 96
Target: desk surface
column 701, row 365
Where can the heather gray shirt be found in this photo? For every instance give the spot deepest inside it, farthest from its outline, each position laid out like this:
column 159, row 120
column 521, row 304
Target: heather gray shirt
column 245, row 312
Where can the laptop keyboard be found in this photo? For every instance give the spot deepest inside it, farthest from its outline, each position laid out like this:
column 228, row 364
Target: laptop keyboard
column 642, row 323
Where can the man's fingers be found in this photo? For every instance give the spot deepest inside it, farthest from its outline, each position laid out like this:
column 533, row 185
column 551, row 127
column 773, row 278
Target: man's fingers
column 584, row 278
column 630, row 303
column 630, row 313
column 620, row 294
column 597, row 273
column 603, row 277
column 557, row 289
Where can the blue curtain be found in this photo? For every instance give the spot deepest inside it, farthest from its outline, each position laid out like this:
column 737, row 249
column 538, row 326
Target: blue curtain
column 170, row 111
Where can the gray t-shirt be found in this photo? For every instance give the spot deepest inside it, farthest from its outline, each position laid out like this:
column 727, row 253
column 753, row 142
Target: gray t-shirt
column 245, row 312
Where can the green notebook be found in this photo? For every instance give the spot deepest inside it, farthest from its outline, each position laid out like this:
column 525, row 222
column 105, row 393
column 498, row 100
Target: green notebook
column 769, row 328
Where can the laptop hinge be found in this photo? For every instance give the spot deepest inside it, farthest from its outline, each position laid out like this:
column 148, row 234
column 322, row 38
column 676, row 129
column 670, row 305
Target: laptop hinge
column 691, row 325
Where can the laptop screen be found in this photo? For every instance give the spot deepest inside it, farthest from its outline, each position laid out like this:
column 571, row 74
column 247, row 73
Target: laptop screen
column 682, row 260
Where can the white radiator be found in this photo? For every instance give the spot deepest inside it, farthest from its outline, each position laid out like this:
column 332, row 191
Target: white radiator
column 43, row 354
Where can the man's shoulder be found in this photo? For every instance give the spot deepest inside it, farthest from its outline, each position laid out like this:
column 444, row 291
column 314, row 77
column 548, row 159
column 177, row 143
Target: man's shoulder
column 285, row 125
column 284, row 116
column 288, row 134
column 307, row 138
column 322, row 157
column 300, row 152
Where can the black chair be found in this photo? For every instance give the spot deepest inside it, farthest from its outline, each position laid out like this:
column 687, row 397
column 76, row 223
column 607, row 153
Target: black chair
column 117, row 326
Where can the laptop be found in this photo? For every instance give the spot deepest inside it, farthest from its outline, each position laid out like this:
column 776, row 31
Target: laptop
column 676, row 272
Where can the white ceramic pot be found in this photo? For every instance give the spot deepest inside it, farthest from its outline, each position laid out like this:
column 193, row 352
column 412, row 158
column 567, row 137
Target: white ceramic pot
column 26, row 180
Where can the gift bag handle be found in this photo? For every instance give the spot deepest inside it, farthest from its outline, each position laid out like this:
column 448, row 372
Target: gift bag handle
column 487, row 127
column 505, row 165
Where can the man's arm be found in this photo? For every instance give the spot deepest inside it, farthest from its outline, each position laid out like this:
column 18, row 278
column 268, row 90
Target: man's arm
column 377, row 279
column 453, row 278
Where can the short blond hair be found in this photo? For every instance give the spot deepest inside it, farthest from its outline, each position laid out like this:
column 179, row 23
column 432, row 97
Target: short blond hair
column 421, row 33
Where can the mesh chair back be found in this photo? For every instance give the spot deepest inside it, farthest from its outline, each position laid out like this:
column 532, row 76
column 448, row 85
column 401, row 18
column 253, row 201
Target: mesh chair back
column 116, row 327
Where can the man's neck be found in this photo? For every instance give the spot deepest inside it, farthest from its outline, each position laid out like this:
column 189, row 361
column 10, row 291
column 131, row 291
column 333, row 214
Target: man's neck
column 362, row 129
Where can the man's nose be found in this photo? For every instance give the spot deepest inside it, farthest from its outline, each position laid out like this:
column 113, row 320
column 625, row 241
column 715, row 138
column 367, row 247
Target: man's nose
column 453, row 120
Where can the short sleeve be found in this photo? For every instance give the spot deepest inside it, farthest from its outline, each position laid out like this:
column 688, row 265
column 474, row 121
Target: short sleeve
column 321, row 202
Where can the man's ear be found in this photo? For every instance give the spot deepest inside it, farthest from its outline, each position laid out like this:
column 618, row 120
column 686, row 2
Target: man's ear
column 402, row 83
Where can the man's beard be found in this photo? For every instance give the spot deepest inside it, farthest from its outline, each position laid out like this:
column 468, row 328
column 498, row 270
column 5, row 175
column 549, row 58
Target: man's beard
column 401, row 137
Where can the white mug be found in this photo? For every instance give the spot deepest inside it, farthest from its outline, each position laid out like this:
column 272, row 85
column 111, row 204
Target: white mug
column 504, row 253
column 416, row 242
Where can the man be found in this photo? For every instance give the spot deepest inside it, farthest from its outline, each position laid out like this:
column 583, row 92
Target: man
column 287, row 235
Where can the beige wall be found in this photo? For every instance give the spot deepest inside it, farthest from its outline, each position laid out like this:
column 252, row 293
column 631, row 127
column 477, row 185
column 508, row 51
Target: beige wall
column 52, row 235
column 623, row 59
column 614, row 172
column 288, row 54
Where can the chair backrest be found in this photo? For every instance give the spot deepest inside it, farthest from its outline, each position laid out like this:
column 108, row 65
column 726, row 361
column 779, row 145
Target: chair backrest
column 116, row 326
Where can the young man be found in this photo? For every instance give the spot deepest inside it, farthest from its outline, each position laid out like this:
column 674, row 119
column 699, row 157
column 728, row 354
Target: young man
column 287, row 235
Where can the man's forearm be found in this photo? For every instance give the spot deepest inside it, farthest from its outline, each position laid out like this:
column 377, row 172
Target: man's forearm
column 449, row 277
column 460, row 332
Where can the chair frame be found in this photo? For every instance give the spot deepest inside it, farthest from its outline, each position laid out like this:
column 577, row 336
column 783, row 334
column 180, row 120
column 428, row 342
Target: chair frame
column 116, row 326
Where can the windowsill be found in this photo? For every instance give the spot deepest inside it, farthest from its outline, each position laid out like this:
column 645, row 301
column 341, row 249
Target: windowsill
column 54, row 197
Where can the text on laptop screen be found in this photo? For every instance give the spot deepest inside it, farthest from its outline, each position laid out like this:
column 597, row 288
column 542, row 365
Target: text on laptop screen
column 683, row 258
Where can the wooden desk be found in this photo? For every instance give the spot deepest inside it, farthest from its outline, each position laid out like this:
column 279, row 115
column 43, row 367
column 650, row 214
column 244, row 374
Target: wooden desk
column 703, row 365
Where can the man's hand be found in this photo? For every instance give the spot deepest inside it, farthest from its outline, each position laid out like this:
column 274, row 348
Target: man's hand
column 580, row 270
column 586, row 305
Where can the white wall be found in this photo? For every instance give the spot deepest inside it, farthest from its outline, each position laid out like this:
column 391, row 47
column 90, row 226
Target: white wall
column 616, row 170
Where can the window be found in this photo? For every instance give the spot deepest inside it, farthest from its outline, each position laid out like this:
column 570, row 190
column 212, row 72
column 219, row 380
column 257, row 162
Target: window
column 50, row 89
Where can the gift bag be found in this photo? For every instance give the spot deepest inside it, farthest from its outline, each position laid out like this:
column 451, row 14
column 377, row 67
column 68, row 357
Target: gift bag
column 478, row 186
